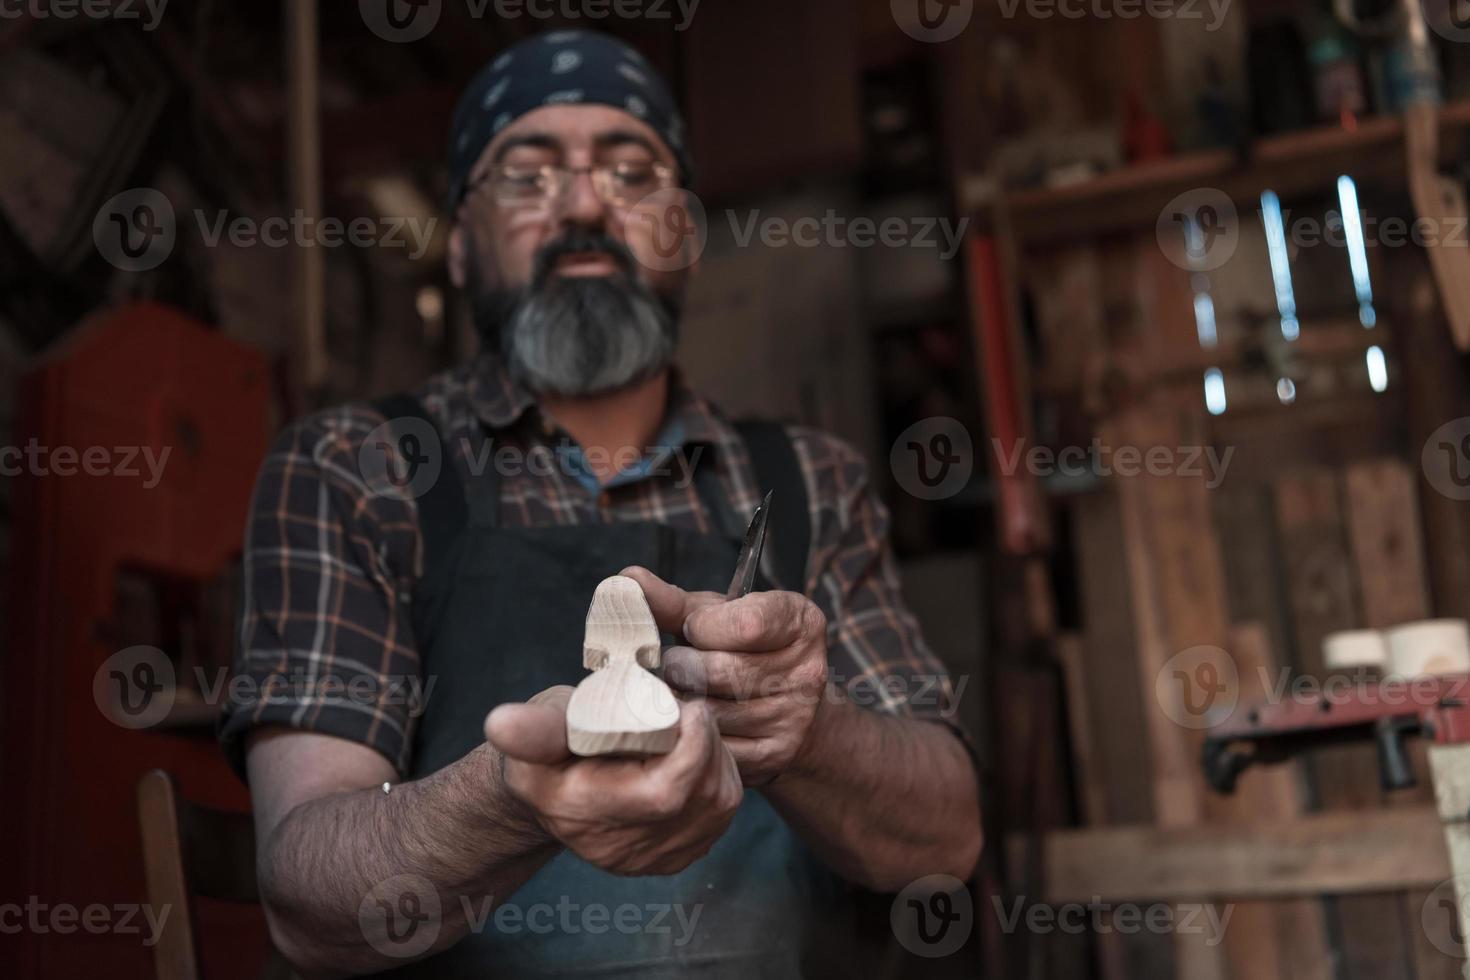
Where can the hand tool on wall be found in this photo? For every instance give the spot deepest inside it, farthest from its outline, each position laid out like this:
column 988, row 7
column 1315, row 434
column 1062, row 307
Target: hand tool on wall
column 1390, row 712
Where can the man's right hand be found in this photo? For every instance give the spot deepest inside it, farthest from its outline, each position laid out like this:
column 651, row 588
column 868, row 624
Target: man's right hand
column 629, row 816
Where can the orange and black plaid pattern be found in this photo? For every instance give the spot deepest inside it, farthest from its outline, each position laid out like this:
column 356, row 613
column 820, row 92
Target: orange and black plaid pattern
column 330, row 560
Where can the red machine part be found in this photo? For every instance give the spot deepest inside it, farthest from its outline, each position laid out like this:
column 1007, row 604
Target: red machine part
column 1441, row 703
column 1019, row 512
column 140, row 376
column 1434, row 708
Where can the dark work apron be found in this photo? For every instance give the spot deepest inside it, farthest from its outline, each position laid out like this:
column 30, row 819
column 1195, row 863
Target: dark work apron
column 499, row 617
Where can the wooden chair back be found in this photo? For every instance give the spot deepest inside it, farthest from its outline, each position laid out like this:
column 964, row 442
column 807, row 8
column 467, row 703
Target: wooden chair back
column 191, row 850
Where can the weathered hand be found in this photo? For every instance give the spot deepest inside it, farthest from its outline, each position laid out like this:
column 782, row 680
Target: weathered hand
column 761, row 660
column 630, row 816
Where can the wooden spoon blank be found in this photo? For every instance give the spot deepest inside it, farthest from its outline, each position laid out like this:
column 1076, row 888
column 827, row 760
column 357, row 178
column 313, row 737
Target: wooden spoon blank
column 621, row 708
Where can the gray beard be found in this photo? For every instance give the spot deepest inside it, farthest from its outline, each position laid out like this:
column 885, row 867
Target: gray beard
column 587, row 337
column 579, row 336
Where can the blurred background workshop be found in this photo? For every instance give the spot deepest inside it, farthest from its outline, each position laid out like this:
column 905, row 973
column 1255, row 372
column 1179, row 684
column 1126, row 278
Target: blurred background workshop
column 1149, row 318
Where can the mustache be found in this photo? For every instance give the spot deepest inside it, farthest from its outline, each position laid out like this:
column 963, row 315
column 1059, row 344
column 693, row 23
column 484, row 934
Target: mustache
column 577, row 241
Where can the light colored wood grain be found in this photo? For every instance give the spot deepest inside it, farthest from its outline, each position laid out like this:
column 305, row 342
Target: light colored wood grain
column 1381, row 509
column 1440, row 200
column 1091, row 779
column 1322, row 593
column 1337, row 852
column 621, row 708
column 1276, row 792
column 620, row 624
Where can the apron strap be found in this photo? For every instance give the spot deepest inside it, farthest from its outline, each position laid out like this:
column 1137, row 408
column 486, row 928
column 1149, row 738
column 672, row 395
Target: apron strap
column 442, row 511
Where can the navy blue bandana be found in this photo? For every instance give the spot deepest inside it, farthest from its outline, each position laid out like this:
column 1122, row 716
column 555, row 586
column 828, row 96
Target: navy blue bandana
column 559, row 68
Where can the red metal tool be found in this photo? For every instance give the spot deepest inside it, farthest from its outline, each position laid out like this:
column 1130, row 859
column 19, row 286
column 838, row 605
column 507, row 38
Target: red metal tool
column 1388, row 711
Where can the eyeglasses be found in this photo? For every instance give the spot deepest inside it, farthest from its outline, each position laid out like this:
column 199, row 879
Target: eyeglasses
column 620, row 185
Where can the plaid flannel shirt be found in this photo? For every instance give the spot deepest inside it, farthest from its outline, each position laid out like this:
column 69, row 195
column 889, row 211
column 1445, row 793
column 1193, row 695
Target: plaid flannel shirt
column 326, row 640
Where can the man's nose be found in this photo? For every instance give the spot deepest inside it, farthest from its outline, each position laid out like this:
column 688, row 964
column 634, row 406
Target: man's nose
column 581, row 204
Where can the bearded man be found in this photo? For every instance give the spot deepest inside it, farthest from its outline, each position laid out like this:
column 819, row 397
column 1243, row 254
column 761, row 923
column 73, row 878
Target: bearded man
column 403, row 580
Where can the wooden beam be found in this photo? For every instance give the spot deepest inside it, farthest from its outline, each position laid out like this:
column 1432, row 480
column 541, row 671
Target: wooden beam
column 304, row 170
column 1322, row 594
column 1382, row 512
column 1131, row 197
column 1112, row 703
column 1302, row 950
column 1387, row 542
column 1339, row 852
column 1163, row 540
column 1091, row 779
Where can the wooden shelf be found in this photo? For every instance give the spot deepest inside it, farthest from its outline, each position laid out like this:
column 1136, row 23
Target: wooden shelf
column 1130, row 199
column 1337, row 852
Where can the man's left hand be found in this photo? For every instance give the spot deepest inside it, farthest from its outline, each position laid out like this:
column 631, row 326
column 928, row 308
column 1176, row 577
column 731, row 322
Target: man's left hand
column 761, row 660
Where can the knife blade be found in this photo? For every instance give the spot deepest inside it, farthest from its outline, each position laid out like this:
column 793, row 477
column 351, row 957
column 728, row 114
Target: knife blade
column 750, row 551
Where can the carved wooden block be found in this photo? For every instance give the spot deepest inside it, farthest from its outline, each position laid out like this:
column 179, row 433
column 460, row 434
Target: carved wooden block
column 621, row 708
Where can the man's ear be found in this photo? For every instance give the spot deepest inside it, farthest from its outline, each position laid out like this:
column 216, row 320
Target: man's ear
column 457, row 256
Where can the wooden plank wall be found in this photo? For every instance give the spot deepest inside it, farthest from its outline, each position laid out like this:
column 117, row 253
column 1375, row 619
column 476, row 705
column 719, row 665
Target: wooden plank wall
column 1264, row 566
